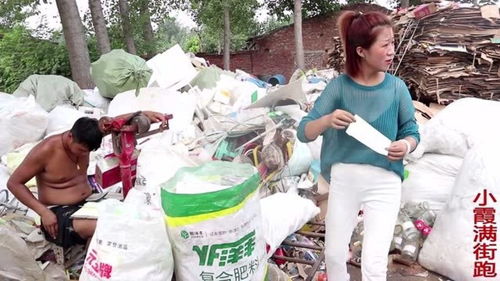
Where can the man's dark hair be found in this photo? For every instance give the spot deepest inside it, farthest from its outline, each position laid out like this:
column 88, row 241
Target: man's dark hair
column 86, row 131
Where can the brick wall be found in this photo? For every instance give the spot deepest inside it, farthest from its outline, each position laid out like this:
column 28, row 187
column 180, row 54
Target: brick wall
column 241, row 60
column 274, row 53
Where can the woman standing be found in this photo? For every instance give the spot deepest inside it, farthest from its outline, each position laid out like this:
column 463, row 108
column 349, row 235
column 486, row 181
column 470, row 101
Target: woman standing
column 358, row 175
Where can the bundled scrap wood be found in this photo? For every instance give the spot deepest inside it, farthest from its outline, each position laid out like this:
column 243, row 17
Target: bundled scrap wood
column 452, row 54
column 336, row 55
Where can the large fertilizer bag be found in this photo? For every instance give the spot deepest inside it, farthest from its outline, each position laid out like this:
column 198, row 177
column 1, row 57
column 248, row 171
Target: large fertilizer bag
column 214, row 222
column 119, row 71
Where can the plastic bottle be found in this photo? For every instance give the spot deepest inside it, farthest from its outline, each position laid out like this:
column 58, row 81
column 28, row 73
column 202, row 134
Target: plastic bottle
column 397, row 239
column 415, row 209
column 411, row 246
column 397, row 243
column 411, row 238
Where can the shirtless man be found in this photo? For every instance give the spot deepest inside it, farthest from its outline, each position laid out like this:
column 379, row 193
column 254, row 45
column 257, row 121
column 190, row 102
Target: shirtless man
column 59, row 163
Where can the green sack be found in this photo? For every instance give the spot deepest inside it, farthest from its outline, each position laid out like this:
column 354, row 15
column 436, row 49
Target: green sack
column 208, row 77
column 119, row 71
column 50, row 91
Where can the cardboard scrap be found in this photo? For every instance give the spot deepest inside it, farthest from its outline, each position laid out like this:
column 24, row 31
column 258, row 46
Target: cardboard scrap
column 490, row 12
column 453, row 53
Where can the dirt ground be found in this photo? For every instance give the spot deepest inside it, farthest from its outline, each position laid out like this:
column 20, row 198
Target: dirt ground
column 400, row 272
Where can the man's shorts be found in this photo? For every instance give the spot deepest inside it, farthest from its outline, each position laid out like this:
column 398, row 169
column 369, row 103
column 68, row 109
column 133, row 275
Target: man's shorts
column 66, row 235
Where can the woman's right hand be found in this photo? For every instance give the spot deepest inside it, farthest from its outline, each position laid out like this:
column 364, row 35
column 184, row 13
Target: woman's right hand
column 340, row 119
column 49, row 222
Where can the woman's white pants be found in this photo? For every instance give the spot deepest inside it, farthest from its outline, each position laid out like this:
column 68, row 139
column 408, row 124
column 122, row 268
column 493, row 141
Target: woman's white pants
column 379, row 192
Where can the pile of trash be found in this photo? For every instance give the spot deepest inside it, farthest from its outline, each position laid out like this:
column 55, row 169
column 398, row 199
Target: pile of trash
column 240, row 126
column 447, row 171
column 227, row 190
column 413, row 225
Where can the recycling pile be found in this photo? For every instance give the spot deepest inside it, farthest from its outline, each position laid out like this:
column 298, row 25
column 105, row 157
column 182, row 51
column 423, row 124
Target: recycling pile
column 454, row 52
column 220, row 117
column 228, row 175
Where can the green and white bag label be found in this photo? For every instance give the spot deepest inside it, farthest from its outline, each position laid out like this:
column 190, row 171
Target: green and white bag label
column 216, row 235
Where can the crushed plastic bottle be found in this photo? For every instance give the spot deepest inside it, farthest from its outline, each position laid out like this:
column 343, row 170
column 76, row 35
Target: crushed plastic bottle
column 415, row 209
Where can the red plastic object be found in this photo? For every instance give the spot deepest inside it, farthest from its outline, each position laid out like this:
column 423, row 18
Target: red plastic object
column 321, row 276
column 127, row 135
column 108, row 173
column 423, row 227
column 279, row 252
column 127, row 149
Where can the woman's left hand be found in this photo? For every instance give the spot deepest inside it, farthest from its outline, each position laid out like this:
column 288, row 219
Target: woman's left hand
column 397, row 150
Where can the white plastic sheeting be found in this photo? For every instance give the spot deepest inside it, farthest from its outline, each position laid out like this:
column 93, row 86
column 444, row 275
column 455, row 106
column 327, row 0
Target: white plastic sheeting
column 449, row 249
column 431, row 178
column 16, row 260
column 458, row 126
column 282, row 215
column 94, row 99
column 157, row 163
column 62, row 118
column 22, row 121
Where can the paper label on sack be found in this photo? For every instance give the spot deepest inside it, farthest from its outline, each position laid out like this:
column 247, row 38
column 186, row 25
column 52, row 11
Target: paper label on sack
column 369, row 136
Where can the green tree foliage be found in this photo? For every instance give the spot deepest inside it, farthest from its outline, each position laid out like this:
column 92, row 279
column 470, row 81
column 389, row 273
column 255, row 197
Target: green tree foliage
column 283, row 9
column 192, row 44
column 167, row 34
column 170, row 33
column 208, row 14
column 113, row 25
column 22, row 55
column 16, row 11
column 158, row 10
column 273, row 23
